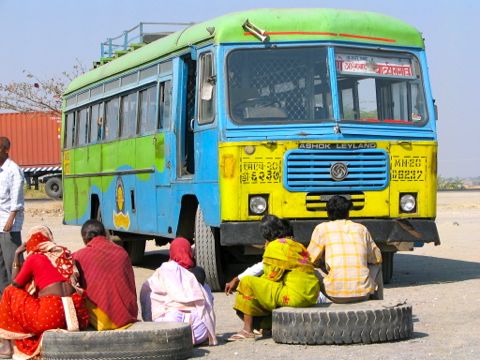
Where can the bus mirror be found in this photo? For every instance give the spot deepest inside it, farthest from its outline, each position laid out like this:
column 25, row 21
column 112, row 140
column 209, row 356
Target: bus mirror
column 435, row 110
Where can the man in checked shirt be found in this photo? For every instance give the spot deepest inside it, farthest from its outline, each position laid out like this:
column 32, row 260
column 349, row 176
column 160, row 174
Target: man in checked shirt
column 349, row 260
column 11, row 212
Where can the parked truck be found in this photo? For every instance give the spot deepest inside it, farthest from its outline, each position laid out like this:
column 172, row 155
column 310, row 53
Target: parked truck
column 35, row 138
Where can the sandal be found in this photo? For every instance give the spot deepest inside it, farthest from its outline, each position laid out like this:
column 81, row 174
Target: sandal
column 263, row 333
column 242, row 335
column 6, row 344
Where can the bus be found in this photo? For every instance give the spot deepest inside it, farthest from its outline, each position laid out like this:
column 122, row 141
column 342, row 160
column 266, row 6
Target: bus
column 201, row 133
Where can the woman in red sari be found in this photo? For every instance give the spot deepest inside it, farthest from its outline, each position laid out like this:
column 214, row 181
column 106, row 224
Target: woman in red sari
column 44, row 295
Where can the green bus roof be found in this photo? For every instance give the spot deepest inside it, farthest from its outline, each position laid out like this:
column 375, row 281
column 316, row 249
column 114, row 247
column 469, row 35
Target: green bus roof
column 281, row 25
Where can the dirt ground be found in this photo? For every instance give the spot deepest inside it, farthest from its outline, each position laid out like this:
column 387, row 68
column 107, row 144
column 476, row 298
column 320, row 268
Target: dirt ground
column 441, row 282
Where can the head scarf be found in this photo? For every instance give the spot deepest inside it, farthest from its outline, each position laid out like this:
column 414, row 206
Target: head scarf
column 181, row 252
column 40, row 241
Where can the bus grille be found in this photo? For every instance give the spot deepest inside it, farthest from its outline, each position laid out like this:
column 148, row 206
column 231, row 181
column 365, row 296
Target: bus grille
column 318, row 201
column 309, row 170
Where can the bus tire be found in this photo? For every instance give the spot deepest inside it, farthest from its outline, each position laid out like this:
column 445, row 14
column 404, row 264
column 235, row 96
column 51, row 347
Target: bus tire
column 326, row 324
column 142, row 340
column 135, row 250
column 387, row 266
column 207, row 251
column 54, row 188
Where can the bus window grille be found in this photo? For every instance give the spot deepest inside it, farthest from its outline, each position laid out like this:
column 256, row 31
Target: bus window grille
column 284, row 82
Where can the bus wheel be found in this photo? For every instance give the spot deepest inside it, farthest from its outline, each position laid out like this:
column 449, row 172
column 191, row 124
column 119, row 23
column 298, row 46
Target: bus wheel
column 207, row 251
column 53, row 188
column 387, row 266
column 135, row 249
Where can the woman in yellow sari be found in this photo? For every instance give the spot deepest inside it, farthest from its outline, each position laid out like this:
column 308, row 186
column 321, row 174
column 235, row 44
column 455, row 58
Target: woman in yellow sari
column 288, row 278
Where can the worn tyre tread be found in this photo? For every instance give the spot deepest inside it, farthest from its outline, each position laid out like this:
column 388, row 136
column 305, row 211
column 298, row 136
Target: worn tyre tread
column 206, row 251
column 342, row 325
column 141, row 341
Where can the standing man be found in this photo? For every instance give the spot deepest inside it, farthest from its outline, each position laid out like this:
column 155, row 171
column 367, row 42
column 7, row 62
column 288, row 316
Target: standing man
column 346, row 253
column 11, row 211
column 106, row 274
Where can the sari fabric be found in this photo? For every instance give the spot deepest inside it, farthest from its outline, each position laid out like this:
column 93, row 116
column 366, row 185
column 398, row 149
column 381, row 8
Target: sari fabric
column 176, row 295
column 24, row 316
column 109, row 281
column 288, row 280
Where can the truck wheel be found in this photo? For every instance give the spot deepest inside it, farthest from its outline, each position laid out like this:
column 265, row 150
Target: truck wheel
column 207, row 251
column 387, row 266
column 135, row 250
column 53, row 188
column 142, row 340
column 366, row 322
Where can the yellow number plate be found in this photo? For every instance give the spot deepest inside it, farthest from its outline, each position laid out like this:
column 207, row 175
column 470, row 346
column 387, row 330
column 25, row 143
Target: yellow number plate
column 408, row 168
column 260, row 171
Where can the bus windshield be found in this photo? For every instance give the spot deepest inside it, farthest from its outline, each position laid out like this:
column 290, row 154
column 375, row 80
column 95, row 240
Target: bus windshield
column 284, row 85
column 292, row 85
column 380, row 87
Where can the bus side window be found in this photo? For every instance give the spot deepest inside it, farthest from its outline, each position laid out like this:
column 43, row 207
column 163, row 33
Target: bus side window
column 148, row 110
column 69, row 130
column 82, row 126
column 206, row 111
column 96, row 123
column 165, row 104
column 128, row 115
column 111, row 119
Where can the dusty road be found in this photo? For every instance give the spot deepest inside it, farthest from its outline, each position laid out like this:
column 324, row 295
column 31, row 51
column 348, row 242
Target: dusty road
column 442, row 283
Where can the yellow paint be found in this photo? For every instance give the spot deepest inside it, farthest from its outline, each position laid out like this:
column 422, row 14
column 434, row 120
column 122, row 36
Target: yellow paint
column 66, row 163
column 412, row 169
column 228, row 166
column 120, row 198
column 121, row 220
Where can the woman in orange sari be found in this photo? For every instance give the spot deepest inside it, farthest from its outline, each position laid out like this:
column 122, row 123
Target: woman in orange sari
column 44, row 295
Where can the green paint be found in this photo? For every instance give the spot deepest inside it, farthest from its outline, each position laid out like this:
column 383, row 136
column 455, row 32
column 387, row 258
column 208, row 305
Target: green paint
column 228, row 29
column 137, row 153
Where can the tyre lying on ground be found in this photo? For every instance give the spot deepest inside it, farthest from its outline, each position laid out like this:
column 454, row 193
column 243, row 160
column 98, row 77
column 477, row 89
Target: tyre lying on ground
column 324, row 324
column 143, row 340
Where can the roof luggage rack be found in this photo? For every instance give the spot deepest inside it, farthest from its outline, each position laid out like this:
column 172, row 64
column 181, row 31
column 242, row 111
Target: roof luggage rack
column 133, row 39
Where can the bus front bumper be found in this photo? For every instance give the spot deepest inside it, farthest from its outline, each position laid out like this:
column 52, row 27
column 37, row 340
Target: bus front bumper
column 385, row 232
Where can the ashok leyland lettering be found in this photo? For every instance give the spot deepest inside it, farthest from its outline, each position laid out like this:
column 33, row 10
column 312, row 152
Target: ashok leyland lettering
column 201, row 133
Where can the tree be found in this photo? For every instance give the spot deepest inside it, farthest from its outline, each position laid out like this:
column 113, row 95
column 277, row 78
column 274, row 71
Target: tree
column 36, row 94
column 450, row 183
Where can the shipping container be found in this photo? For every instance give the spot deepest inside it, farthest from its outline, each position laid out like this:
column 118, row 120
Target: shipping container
column 35, row 147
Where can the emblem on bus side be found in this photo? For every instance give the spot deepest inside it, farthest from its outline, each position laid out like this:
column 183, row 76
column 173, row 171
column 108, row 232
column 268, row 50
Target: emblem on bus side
column 338, row 171
column 121, row 219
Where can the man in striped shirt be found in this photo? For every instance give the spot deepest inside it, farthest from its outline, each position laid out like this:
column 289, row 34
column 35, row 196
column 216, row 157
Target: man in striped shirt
column 349, row 259
column 11, row 212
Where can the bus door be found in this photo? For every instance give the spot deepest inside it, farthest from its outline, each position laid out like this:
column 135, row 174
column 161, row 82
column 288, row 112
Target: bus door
column 185, row 130
column 206, row 137
column 154, row 127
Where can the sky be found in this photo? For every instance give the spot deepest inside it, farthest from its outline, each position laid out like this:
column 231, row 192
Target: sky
column 47, row 37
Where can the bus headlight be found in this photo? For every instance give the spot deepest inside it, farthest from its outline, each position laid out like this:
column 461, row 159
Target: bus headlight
column 408, row 202
column 257, row 204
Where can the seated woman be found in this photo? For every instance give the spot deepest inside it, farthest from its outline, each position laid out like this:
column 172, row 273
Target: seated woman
column 288, row 279
column 175, row 293
column 44, row 295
